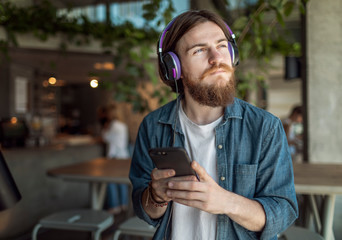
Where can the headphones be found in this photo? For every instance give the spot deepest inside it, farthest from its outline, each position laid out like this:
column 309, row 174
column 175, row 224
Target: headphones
column 170, row 65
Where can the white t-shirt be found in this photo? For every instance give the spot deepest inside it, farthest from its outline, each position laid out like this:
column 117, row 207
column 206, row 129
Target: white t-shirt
column 187, row 222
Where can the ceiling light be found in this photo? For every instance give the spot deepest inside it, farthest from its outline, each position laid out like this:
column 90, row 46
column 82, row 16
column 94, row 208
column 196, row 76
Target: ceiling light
column 94, row 83
column 104, row 66
column 52, row 80
column 14, row 120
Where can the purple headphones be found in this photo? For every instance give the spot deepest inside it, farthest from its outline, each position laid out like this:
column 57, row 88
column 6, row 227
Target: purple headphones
column 169, row 62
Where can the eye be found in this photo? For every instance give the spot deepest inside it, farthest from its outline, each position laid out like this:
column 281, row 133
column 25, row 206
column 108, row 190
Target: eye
column 223, row 45
column 199, row 50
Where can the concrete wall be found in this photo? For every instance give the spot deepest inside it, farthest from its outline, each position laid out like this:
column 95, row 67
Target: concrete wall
column 324, row 32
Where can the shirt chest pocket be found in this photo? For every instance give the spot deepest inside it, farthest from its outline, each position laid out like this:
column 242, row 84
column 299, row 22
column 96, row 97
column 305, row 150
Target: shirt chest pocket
column 243, row 179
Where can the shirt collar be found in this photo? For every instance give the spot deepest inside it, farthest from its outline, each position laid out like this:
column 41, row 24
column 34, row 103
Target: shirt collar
column 233, row 110
column 169, row 114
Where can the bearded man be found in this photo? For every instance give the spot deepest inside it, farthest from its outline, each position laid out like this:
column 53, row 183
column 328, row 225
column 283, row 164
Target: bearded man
column 245, row 187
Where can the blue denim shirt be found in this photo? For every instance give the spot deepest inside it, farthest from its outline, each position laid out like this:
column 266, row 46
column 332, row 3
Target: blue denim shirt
column 253, row 160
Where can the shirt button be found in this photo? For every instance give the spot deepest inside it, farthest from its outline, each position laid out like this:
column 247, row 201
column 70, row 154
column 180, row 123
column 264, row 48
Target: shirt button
column 220, row 146
column 223, row 178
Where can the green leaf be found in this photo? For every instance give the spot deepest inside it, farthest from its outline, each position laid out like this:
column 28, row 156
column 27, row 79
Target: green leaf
column 288, row 7
column 134, row 56
column 240, row 22
column 280, row 18
column 302, row 8
column 276, row 4
column 259, row 44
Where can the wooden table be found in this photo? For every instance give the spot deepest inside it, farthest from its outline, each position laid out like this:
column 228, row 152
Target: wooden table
column 320, row 179
column 97, row 173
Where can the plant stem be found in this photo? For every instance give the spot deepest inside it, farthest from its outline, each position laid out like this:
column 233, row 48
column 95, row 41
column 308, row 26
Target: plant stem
column 250, row 22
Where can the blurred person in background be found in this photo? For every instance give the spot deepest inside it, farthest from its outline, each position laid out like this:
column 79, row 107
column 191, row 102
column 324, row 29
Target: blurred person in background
column 293, row 126
column 115, row 136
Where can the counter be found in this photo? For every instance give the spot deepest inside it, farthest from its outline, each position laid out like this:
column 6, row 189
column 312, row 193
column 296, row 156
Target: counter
column 42, row 195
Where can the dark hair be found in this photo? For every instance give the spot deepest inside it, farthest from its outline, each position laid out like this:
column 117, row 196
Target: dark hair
column 296, row 110
column 181, row 25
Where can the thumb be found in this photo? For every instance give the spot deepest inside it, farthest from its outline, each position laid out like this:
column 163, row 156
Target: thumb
column 202, row 174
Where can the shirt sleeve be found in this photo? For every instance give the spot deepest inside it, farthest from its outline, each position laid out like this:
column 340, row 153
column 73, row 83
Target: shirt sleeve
column 275, row 183
column 140, row 173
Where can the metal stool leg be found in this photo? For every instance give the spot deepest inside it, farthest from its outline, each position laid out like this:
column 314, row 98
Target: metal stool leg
column 35, row 231
column 117, row 234
column 96, row 235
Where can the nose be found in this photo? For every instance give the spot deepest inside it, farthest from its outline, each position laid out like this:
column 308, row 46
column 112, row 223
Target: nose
column 215, row 56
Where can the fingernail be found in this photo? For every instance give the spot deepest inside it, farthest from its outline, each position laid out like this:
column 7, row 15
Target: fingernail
column 171, row 173
column 170, row 184
column 168, row 193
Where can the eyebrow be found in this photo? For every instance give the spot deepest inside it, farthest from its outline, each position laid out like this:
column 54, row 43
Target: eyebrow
column 203, row 44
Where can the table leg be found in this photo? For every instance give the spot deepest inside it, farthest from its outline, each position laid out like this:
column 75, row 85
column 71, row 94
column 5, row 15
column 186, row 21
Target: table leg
column 98, row 193
column 315, row 212
column 328, row 217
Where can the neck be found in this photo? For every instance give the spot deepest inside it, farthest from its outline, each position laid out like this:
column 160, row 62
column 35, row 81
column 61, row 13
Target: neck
column 198, row 113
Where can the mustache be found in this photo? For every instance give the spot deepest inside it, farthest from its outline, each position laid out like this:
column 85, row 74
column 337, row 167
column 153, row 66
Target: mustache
column 214, row 68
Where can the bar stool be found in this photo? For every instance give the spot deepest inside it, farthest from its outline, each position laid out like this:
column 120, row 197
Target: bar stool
column 95, row 221
column 136, row 227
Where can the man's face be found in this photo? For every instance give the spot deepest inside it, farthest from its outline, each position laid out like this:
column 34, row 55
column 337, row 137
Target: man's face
column 207, row 71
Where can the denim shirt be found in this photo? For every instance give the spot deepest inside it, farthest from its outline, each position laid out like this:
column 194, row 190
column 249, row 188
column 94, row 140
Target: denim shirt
column 253, row 160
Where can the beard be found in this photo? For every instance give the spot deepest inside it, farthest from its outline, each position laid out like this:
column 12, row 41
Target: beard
column 216, row 94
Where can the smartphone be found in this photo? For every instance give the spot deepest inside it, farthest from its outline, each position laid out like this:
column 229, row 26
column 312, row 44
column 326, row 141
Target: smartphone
column 172, row 158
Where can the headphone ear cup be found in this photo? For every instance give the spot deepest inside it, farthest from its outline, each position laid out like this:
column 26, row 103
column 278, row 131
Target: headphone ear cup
column 234, row 53
column 172, row 66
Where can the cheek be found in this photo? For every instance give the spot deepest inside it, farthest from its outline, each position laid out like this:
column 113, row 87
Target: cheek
column 195, row 69
column 228, row 60
column 192, row 73
column 226, row 57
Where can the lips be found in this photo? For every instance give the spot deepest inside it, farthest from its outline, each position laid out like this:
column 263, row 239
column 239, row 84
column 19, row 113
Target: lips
column 218, row 69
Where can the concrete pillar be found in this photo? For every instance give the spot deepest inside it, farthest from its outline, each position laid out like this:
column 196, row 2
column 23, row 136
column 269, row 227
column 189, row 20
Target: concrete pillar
column 324, row 82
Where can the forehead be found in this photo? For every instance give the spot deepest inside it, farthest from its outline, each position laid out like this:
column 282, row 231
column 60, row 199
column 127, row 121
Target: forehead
column 202, row 33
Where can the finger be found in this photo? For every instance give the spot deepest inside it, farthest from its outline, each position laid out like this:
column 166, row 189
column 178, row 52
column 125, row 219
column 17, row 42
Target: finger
column 185, row 195
column 185, row 178
column 202, row 174
column 186, row 185
column 159, row 192
column 158, row 174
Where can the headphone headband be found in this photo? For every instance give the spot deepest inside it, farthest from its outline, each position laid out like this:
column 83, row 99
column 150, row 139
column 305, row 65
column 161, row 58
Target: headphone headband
column 161, row 39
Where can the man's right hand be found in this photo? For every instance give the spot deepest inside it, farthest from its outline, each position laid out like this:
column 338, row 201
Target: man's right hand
column 160, row 179
column 159, row 187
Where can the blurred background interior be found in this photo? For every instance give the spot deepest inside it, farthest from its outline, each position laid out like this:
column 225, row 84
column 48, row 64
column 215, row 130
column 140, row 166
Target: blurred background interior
column 62, row 60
